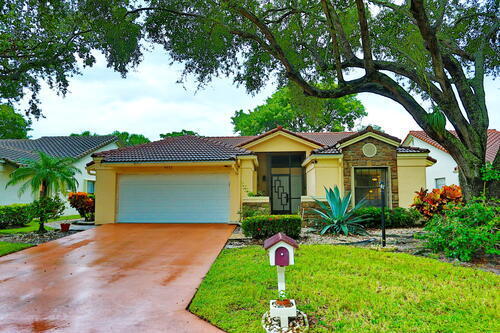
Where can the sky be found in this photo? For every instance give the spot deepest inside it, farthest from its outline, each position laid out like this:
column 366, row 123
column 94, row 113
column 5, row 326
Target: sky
column 150, row 101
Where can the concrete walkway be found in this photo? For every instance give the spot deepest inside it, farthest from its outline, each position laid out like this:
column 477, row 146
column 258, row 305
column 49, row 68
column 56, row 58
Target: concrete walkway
column 114, row 278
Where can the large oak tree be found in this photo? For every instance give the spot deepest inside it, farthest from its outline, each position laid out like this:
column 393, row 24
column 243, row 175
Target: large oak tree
column 51, row 40
column 413, row 52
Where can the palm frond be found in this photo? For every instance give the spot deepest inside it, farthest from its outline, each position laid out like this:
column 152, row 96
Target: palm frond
column 58, row 174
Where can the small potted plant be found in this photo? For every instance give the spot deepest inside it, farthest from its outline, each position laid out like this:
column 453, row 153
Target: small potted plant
column 283, row 301
column 65, row 226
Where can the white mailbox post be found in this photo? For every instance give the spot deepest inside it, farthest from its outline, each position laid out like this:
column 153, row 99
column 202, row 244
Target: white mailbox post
column 281, row 250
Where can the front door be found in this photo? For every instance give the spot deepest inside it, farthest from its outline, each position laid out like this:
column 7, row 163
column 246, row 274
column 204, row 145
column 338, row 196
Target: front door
column 286, row 183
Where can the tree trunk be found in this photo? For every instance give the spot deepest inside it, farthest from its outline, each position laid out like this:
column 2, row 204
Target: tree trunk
column 472, row 186
column 43, row 194
column 43, row 190
column 41, row 227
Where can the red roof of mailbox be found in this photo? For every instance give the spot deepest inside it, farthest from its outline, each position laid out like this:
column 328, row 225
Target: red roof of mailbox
column 280, row 237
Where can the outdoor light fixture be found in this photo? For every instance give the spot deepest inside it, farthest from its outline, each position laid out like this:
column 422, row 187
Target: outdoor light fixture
column 382, row 197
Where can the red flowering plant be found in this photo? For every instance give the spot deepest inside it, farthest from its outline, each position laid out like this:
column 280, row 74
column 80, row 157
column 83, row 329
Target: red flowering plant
column 437, row 201
column 84, row 203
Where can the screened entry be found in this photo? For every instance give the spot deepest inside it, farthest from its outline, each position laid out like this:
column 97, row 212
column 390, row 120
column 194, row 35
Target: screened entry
column 367, row 185
column 287, row 182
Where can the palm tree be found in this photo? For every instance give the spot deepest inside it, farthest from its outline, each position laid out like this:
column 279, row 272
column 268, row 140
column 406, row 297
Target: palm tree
column 46, row 176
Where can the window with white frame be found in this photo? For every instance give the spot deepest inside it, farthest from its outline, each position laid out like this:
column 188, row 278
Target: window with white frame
column 440, row 182
column 90, row 186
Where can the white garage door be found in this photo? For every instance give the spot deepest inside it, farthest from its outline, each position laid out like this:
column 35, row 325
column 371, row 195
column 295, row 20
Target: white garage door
column 174, row 198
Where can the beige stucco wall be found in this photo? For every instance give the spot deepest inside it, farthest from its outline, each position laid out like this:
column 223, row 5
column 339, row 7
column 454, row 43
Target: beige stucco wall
column 412, row 177
column 107, row 184
column 325, row 171
column 282, row 143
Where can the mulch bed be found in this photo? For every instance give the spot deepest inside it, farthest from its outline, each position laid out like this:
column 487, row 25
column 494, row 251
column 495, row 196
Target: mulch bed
column 397, row 240
column 34, row 237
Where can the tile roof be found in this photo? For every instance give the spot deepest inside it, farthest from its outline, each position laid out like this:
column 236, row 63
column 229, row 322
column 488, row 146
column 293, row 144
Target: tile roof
column 366, row 130
column 322, row 138
column 493, row 142
column 220, row 148
column 281, row 129
column 181, row 148
column 18, row 151
column 409, row 149
column 15, row 155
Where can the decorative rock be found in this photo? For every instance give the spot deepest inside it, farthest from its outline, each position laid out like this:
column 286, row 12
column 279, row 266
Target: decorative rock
column 296, row 325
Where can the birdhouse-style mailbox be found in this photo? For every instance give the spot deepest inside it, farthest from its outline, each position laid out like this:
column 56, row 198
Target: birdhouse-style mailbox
column 281, row 249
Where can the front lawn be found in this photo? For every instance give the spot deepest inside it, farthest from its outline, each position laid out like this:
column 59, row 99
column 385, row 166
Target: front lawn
column 348, row 289
column 33, row 225
column 6, row 248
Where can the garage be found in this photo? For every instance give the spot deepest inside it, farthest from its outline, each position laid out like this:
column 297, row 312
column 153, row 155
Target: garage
column 173, row 198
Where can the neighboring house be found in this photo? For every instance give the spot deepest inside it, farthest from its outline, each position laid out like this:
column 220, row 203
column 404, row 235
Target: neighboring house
column 445, row 171
column 192, row 179
column 13, row 153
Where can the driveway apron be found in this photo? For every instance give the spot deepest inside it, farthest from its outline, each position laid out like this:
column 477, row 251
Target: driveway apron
column 113, row 278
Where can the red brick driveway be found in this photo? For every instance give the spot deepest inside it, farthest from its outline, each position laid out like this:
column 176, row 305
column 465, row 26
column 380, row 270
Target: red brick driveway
column 114, row 278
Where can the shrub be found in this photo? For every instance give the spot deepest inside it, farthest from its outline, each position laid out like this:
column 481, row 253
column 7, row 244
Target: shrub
column 372, row 216
column 84, row 203
column 15, row 215
column 249, row 211
column 264, row 226
column 47, row 208
column 401, row 217
column 398, row 217
column 465, row 231
column 435, row 202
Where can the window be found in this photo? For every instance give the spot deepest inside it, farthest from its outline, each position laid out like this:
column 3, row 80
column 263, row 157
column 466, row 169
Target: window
column 440, row 182
column 367, row 185
column 90, row 186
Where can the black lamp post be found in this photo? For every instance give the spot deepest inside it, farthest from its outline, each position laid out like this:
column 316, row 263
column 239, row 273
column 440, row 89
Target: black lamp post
column 382, row 196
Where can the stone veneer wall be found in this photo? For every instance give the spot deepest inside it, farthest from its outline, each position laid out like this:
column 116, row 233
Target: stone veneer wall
column 308, row 217
column 263, row 207
column 386, row 157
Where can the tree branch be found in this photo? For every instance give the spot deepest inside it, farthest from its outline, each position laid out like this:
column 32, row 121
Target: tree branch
column 333, row 35
column 365, row 38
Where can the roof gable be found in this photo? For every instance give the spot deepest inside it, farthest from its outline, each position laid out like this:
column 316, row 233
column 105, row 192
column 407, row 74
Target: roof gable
column 369, row 132
column 280, row 237
column 280, row 132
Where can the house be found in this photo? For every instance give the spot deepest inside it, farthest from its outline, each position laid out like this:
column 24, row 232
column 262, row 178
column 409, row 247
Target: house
column 14, row 152
column 444, row 171
column 192, row 179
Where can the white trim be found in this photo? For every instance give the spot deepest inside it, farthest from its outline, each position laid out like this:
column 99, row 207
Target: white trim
column 370, row 135
column 314, row 157
column 286, row 135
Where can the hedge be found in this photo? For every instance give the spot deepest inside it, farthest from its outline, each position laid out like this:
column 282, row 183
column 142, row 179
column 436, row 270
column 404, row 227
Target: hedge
column 264, row 226
column 15, row 215
column 394, row 218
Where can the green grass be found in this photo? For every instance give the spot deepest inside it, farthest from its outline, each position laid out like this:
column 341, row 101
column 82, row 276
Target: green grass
column 347, row 289
column 6, row 248
column 33, row 225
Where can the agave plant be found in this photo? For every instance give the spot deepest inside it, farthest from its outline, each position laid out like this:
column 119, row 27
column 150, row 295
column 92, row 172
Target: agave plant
column 337, row 217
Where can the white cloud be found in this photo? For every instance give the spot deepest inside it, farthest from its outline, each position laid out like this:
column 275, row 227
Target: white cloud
column 150, row 102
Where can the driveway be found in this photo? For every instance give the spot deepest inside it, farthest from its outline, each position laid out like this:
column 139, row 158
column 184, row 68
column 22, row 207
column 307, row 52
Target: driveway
column 114, row 278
